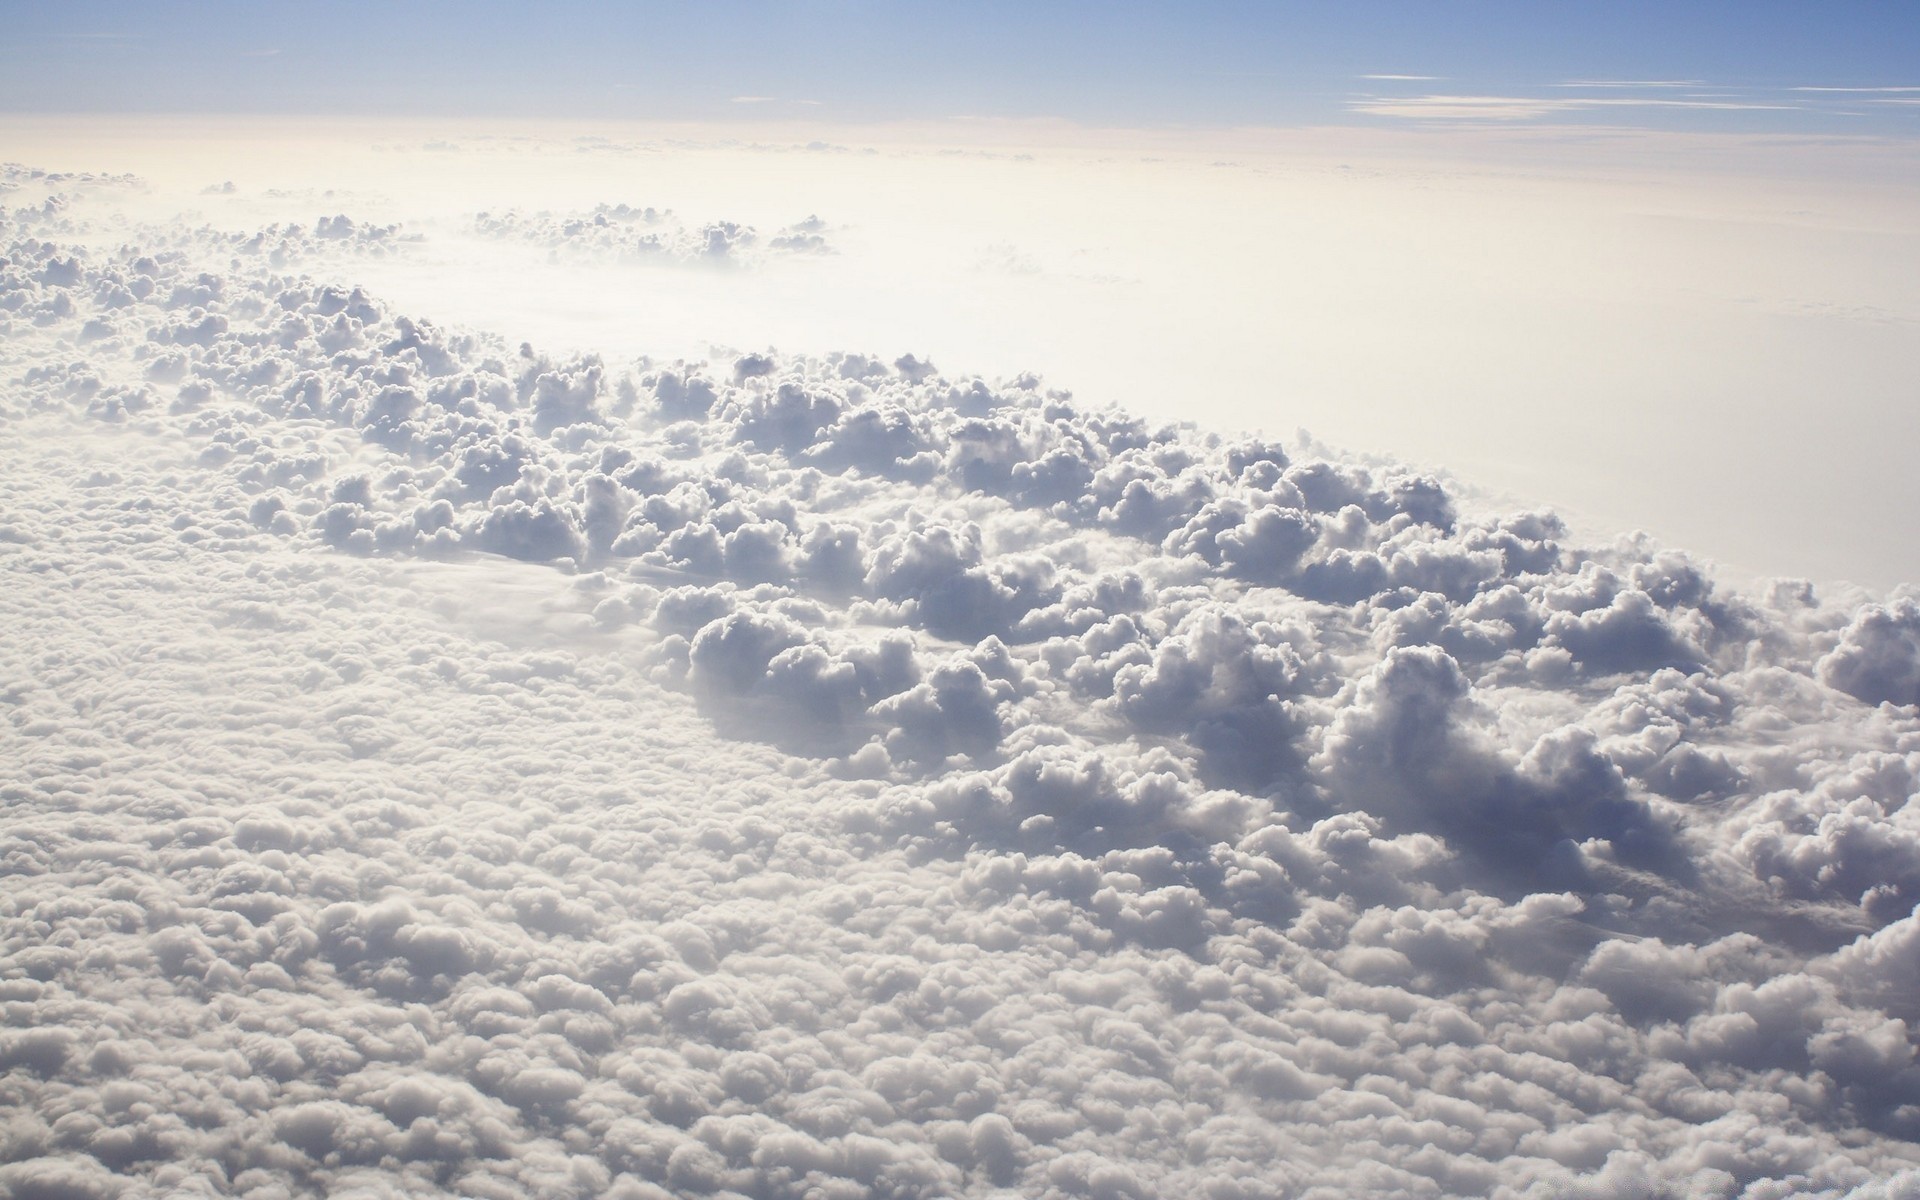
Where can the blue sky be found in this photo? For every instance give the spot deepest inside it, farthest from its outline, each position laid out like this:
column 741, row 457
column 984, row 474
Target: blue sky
column 1735, row 66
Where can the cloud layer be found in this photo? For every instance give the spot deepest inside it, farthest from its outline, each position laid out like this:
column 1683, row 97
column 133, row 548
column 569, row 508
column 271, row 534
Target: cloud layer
column 441, row 768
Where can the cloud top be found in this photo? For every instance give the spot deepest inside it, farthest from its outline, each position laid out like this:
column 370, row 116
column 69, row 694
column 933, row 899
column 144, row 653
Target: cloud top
column 445, row 768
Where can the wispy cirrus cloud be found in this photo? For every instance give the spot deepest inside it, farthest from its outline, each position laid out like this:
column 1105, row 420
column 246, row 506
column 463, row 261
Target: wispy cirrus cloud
column 1527, row 108
column 1631, row 83
column 1620, row 97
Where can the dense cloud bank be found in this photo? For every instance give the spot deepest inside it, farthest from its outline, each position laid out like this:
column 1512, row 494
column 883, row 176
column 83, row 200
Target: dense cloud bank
column 439, row 769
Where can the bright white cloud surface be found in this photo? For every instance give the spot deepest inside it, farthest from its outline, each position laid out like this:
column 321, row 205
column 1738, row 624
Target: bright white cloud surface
column 439, row 765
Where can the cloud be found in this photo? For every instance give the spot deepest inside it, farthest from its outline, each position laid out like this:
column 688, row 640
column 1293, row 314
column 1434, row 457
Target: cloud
column 1633, row 83
column 626, row 234
column 1526, row 108
column 443, row 768
column 1878, row 658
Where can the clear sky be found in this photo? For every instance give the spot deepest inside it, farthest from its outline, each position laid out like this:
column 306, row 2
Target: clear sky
column 1755, row 65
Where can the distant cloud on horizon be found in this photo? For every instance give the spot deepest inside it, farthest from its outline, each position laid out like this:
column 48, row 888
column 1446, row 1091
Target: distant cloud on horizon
column 1621, row 97
column 1527, row 108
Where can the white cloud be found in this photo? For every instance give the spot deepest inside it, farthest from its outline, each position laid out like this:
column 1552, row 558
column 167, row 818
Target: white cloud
column 1632, row 83
column 622, row 233
column 1527, row 108
column 1878, row 658
column 437, row 767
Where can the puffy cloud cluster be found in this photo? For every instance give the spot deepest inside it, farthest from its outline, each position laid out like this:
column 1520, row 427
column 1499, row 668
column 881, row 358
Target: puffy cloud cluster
column 339, row 235
column 436, row 768
column 1878, row 658
column 623, row 233
column 33, row 185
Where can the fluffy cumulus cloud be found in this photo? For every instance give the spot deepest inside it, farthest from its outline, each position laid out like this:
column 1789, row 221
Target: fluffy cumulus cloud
column 623, row 233
column 439, row 768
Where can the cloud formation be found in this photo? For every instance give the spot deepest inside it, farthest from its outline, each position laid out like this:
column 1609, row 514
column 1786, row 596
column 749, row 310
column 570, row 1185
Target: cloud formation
column 621, row 233
column 439, row 768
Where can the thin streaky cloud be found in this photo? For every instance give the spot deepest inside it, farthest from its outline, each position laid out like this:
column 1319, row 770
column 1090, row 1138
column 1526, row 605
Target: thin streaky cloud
column 1855, row 90
column 1509, row 108
column 1404, row 78
column 1710, row 104
column 752, row 99
column 1631, row 83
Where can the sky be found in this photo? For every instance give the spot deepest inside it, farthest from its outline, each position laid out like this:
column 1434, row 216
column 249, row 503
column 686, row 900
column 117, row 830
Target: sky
column 820, row 602
column 1721, row 66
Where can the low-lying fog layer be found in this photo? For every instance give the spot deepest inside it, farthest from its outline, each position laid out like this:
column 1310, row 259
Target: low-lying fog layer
column 439, row 764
